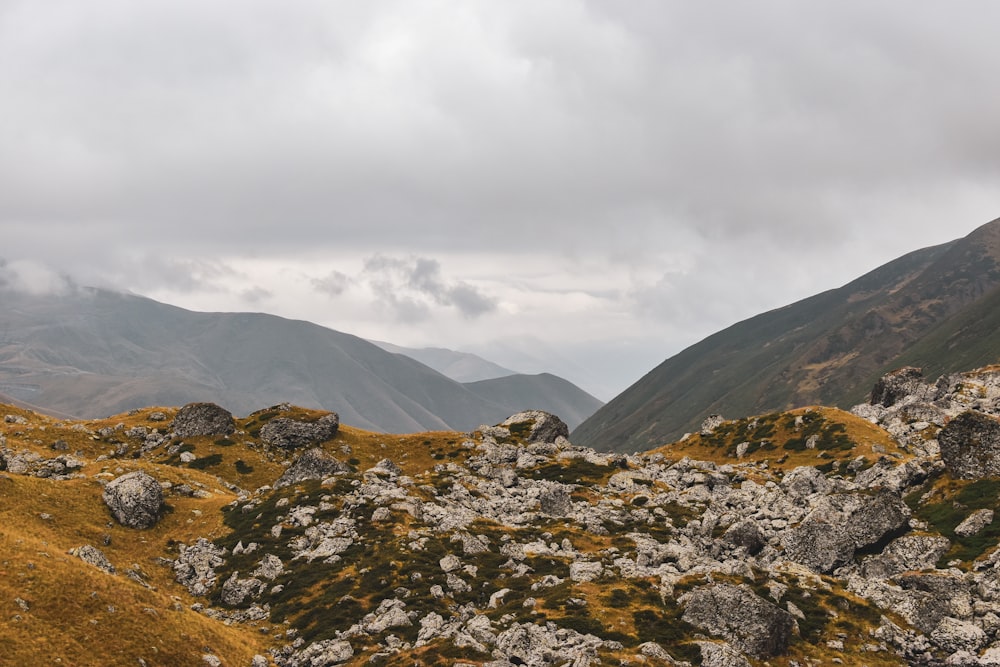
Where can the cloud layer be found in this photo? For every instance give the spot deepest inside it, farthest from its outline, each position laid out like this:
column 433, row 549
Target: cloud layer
column 636, row 173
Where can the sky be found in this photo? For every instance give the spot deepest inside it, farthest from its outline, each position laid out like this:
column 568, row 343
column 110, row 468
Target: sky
column 571, row 186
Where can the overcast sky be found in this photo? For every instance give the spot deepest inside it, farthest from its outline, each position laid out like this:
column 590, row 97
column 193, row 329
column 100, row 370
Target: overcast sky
column 582, row 187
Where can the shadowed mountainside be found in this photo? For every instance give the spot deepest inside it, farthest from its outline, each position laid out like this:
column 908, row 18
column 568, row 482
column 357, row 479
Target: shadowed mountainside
column 935, row 308
column 92, row 353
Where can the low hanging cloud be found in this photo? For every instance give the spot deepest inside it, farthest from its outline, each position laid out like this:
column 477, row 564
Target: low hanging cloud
column 411, row 286
column 31, row 277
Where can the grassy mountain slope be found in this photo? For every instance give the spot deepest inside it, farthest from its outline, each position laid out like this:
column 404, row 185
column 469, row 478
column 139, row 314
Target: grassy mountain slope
column 96, row 352
column 822, row 350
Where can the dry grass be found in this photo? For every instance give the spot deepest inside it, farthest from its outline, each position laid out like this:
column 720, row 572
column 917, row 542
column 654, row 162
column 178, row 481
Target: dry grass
column 867, row 440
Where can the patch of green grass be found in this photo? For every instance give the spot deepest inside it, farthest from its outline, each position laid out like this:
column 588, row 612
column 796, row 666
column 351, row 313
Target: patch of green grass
column 576, row 471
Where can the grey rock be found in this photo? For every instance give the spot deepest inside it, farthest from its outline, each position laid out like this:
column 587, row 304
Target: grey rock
column 93, row 556
column 312, row 464
column 970, row 445
column 293, row 434
column 711, row 423
column 555, row 501
column 952, row 635
column 319, row 654
column 752, row 624
column 386, row 467
column 721, row 654
column 974, row 523
column 910, row 552
column 893, row 387
column 135, row 499
column 544, row 426
column 746, row 534
column 195, row 566
column 202, row 419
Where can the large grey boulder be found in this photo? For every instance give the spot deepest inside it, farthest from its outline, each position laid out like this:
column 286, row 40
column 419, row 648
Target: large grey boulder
column 970, row 445
column 541, row 426
column 313, row 464
column 196, row 419
column 749, row 622
column 895, row 386
column 849, row 522
column 135, row 499
column 295, row 433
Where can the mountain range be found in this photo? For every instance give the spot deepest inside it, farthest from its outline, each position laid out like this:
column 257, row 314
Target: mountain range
column 937, row 308
column 93, row 352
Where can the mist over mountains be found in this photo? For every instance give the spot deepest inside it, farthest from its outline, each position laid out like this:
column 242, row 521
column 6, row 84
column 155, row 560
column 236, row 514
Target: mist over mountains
column 91, row 352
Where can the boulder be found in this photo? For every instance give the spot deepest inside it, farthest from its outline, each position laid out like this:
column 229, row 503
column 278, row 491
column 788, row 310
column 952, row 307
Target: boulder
column 135, row 499
column 974, row 523
column 893, row 387
column 196, row 419
column 313, row 464
column 745, row 534
column 294, row 433
column 970, row 445
column 829, row 536
column 749, row 622
column 543, row 426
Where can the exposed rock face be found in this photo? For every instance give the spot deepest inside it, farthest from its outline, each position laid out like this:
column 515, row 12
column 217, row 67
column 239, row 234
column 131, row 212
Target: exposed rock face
column 196, row 419
column 751, row 623
column 313, row 464
column 829, row 536
column 293, row 434
column 970, row 445
column 135, row 500
column 897, row 385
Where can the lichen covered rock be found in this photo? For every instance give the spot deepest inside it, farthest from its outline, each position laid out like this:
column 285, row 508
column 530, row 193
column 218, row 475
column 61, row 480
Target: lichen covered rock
column 135, row 500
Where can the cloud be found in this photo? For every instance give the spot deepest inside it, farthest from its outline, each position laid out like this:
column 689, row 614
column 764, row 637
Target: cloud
column 333, row 284
column 410, row 286
column 33, row 278
column 166, row 146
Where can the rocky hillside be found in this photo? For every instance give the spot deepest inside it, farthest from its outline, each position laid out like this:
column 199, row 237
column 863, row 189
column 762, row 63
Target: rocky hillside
column 816, row 536
column 937, row 308
column 92, row 353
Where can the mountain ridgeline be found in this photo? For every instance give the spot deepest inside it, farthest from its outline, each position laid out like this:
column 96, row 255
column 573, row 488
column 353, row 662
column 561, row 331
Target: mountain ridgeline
column 91, row 353
column 936, row 308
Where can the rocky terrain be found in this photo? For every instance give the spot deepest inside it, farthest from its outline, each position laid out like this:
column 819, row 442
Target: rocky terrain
column 810, row 537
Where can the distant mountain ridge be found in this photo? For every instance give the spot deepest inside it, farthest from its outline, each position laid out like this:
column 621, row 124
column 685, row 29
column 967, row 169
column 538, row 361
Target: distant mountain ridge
column 95, row 352
column 459, row 366
column 937, row 308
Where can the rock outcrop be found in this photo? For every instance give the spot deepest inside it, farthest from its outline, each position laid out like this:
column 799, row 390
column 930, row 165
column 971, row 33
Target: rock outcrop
column 293, row 434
